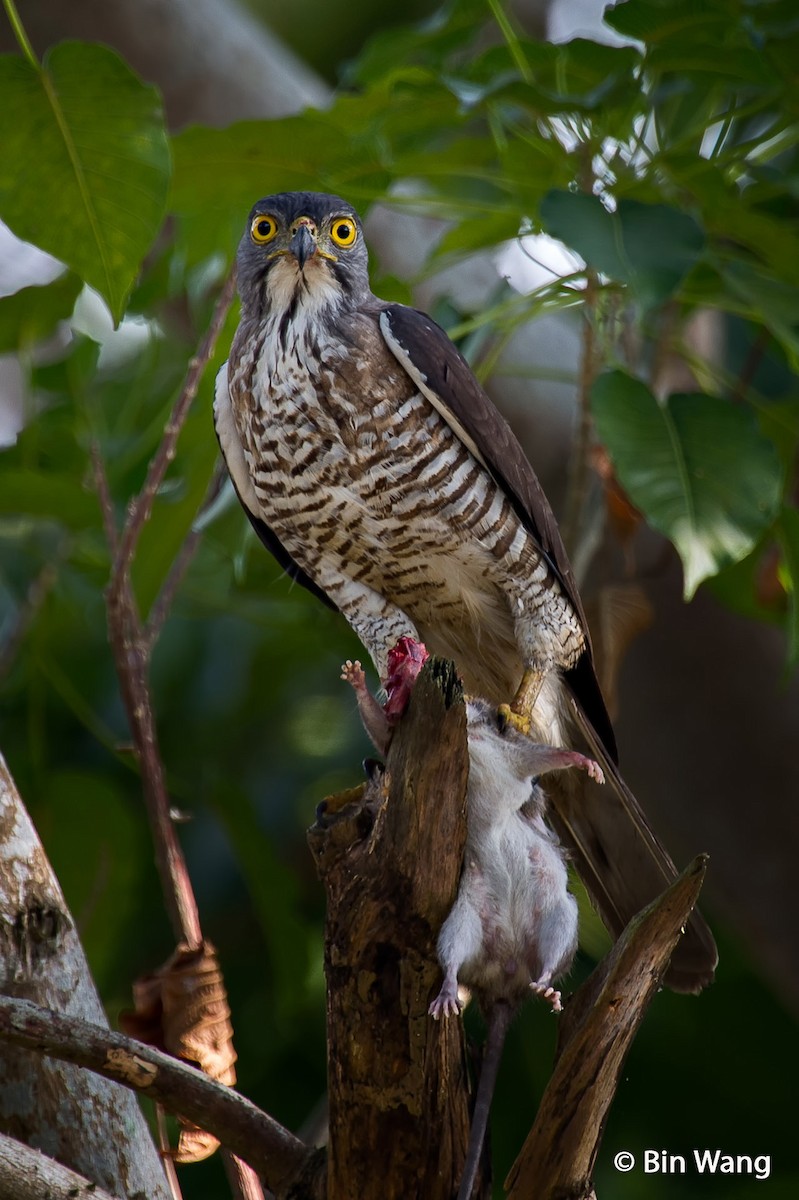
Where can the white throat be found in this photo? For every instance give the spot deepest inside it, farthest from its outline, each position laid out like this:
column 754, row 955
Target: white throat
column 308, row 292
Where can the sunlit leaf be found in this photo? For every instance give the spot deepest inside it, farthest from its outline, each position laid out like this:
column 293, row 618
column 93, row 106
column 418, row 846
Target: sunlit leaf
column 695, row 465
column 84, row 162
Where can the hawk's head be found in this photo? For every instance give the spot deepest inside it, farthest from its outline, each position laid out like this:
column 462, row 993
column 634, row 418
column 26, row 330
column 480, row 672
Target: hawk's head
column 302, row 249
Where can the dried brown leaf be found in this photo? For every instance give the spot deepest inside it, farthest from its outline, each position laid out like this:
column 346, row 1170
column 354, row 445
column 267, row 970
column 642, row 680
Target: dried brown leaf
column 623, row 517
column 182, row 1008
column 617, row 614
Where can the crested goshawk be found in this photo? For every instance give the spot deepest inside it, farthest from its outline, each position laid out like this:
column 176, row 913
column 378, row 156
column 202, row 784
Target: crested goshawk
column 377, row 471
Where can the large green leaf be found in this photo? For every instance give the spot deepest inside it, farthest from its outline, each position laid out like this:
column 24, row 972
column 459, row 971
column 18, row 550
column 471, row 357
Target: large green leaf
column 663, row 20
column 696, row 466
column 579, row 75
column 650, row 247
column 84, row 162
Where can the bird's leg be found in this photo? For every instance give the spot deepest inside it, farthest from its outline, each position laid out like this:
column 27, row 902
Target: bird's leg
column 519, row 712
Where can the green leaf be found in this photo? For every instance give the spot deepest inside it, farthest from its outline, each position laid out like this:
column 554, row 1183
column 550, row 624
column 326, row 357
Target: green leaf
column 350, row 149
column 768, row 300
column 695, row 465
column 664, row 20
column 84, row 162
column 33, row 313
column 650, row 247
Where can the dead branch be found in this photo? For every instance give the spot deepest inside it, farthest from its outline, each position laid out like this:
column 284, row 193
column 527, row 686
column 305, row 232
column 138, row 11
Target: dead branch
column 389, row 857
column 27, row 1174
column 94, row 1127
column 596, row 1032
column 250, row 1133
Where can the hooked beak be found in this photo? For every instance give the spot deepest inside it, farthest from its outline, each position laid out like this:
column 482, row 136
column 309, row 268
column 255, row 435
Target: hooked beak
column 302, row 245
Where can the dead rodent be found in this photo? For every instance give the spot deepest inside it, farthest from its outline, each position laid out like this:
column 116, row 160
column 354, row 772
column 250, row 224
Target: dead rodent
column 513, row 927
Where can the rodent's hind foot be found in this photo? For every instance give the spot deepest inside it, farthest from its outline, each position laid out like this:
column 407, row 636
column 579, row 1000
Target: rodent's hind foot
column 548, row 993
column 446, row 1004
column 591, row 768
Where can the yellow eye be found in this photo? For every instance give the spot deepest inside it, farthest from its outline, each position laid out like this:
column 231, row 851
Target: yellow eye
column 263, row 229
column 343, row 231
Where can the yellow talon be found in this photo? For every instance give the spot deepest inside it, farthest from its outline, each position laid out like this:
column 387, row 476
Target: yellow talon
column 520, row 721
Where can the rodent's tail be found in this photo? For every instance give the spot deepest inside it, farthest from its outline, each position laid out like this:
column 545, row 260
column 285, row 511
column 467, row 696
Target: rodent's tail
column 499, row 1018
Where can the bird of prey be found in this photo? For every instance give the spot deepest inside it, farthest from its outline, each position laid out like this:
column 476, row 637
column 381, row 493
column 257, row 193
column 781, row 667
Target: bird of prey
column 375, row 468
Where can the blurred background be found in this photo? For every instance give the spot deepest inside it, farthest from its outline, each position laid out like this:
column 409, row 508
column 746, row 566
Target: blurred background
column 256, row 727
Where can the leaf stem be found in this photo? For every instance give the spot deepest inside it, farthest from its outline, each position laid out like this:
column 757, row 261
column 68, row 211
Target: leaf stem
column 20, row 34
column 579, row 465
column 512, row 39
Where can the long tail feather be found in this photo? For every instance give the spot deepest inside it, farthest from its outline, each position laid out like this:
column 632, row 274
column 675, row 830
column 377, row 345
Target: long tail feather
column 621, row 860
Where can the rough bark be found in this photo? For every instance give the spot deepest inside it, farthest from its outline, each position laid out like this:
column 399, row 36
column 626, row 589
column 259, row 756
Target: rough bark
column 27, row 1174
column 89, row 1124
column 390, row 860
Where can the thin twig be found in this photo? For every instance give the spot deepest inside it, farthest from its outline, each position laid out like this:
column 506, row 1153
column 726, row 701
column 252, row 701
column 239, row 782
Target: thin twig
column 663, row 349
column 579, row 462
column 132, row 644
column 142, row 506
column 38, row 591
column 170, row 1170
column 104, row 496
column 753, row 360
column 131, row 656
column 253, row 1135
column 163, row 601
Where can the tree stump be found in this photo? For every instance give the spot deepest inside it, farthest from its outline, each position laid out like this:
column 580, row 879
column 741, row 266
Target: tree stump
column 389, row 856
